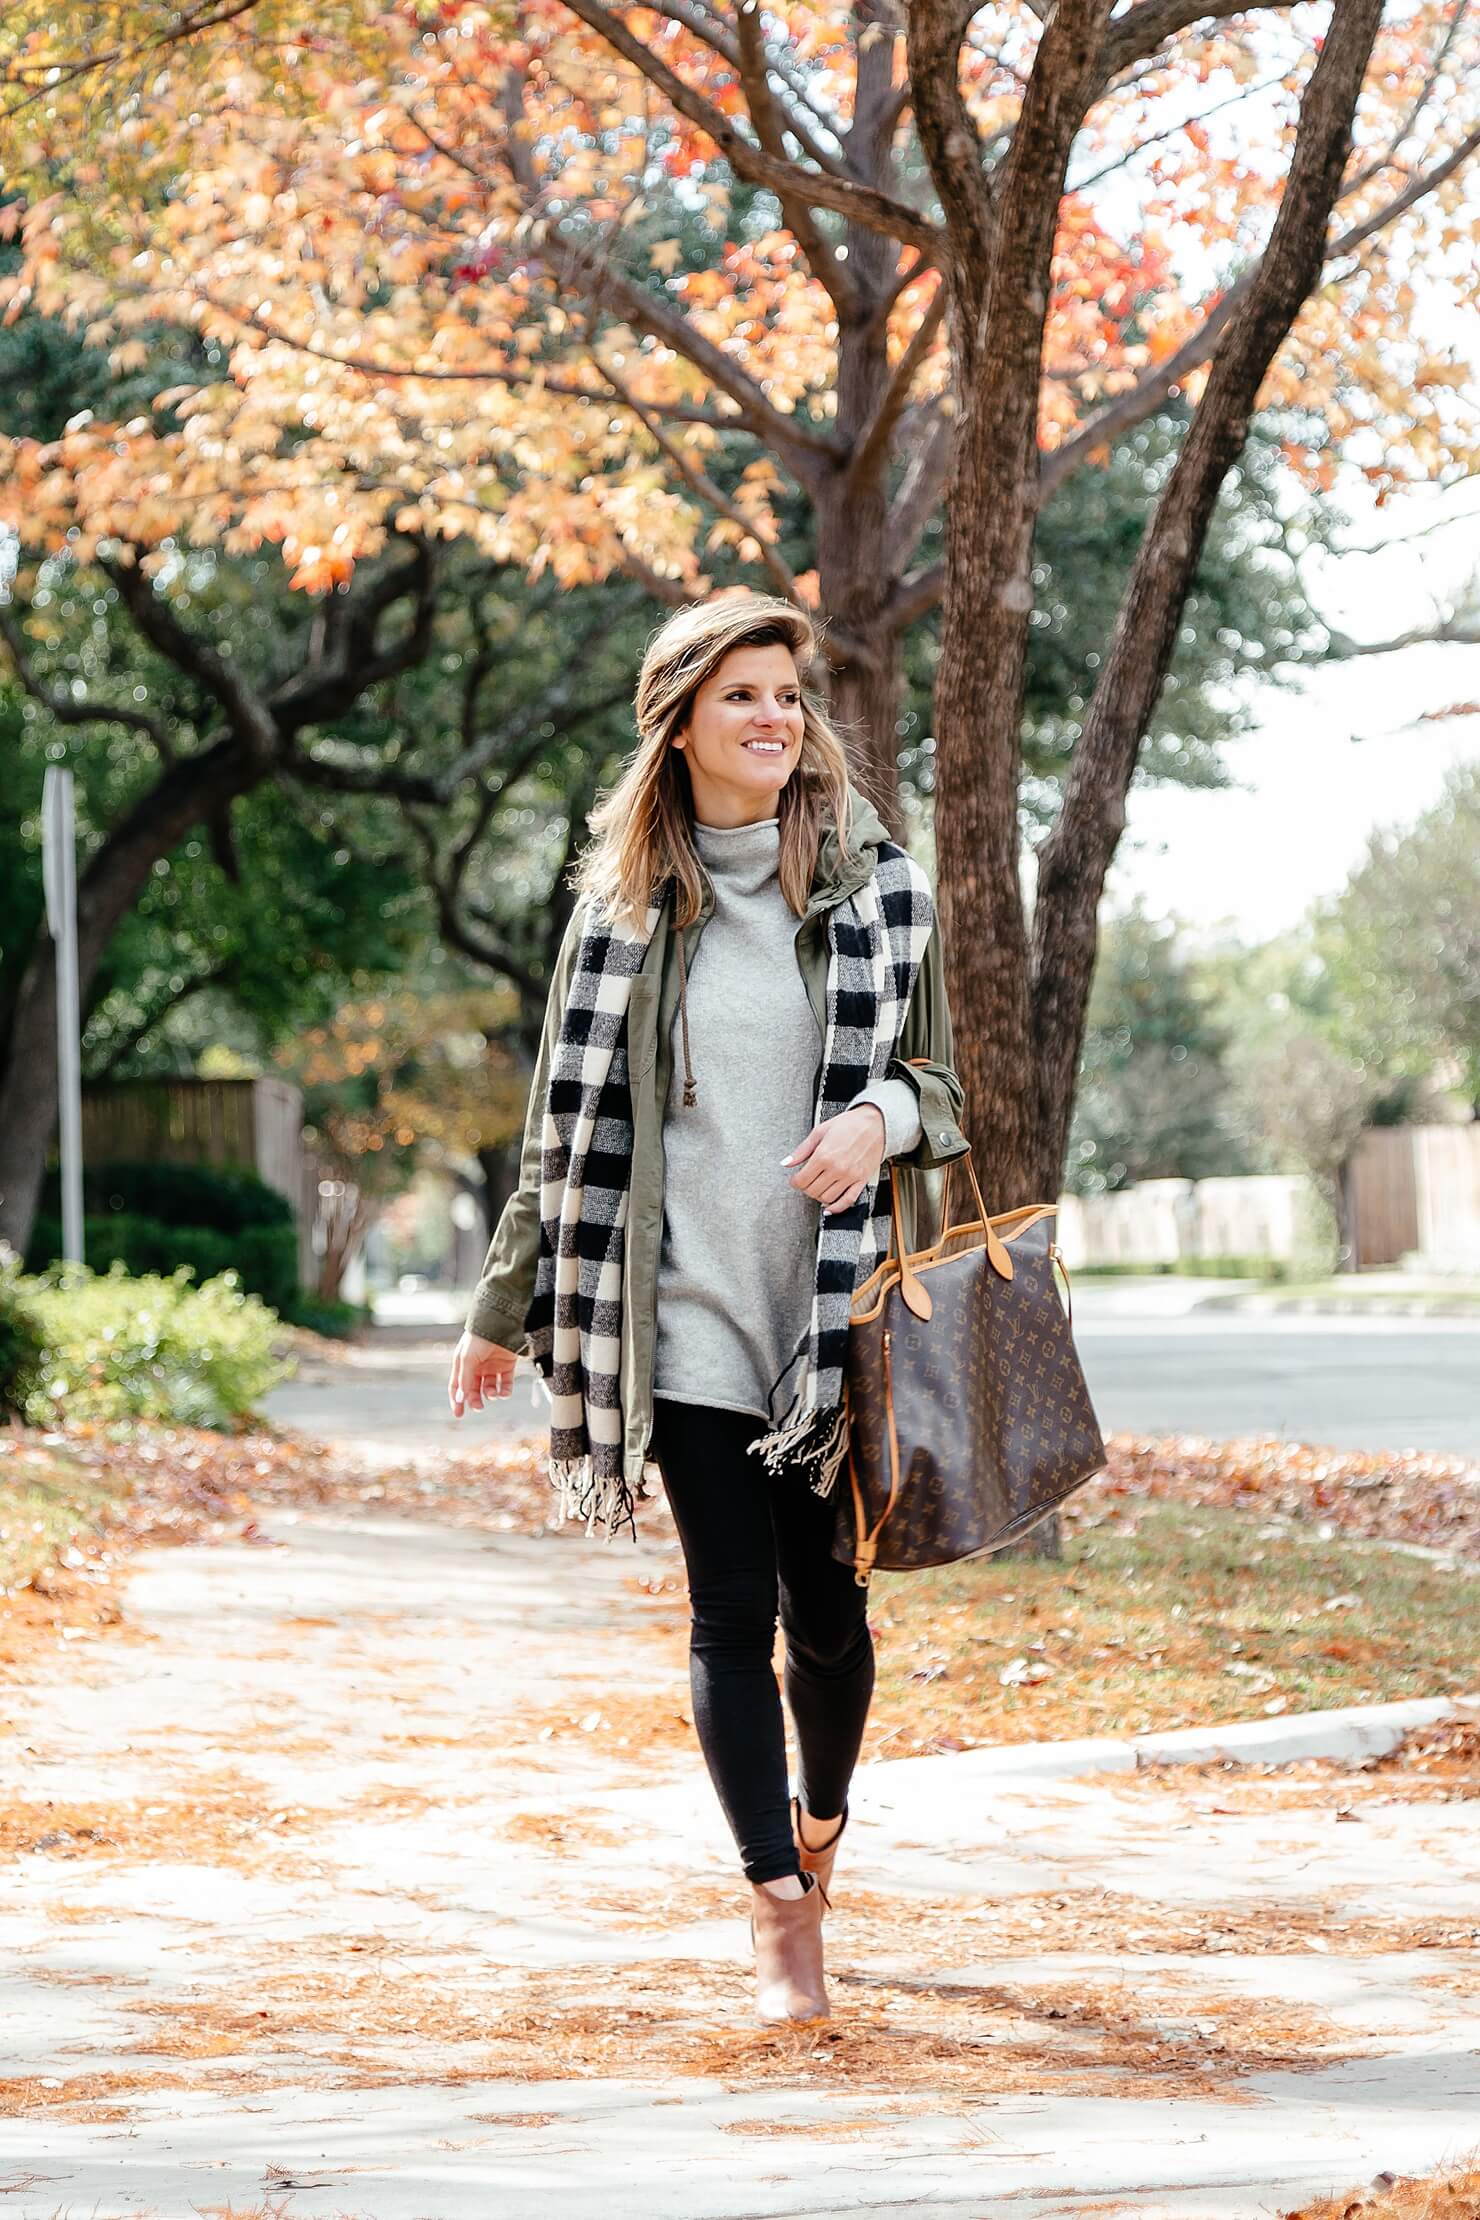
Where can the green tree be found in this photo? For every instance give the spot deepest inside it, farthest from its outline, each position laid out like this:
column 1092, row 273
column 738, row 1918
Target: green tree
column 1401, row 948
column 1154, row 1089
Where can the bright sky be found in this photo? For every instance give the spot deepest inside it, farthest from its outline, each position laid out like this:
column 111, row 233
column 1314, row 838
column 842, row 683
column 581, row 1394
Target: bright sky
column 1330, row 764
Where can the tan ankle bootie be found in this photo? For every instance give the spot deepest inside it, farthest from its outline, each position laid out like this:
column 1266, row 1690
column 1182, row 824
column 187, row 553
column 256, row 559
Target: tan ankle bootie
column 819, row 1863
column 787, row 1934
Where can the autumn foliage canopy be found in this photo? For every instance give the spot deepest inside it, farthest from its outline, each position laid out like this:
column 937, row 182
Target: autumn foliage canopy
column 518, row 273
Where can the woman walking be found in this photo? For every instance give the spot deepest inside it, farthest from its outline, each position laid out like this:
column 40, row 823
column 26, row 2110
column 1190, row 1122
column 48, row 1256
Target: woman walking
column 747, row 1017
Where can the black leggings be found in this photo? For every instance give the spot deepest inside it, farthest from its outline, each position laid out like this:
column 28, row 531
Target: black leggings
column 751, row 1541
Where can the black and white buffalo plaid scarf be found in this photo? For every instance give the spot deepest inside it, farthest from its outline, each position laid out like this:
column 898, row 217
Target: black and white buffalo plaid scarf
column 877, row 936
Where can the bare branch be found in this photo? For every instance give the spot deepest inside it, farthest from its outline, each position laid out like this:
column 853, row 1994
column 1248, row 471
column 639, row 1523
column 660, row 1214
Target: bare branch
column 874, row 444
column 862, row 204
column 1074, row 859
column 353, row 657
column 246, row 711
column 804, row 128
column 1450, row 631
column 606, row 286
column 127, row 1042
column 1151, row 23
column 835, row 276
column 1147, row 395
column 914, row 597
column 950, row 138
column 40, row 75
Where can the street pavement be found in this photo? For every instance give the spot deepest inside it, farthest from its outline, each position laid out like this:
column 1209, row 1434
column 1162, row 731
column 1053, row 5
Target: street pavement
column 1156, row 1364
column 1348, row 1383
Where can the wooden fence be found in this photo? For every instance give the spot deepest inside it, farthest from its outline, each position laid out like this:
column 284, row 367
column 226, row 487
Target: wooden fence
column 255, row 1124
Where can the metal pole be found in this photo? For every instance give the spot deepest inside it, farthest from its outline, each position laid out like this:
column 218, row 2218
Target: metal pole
column 59, row 876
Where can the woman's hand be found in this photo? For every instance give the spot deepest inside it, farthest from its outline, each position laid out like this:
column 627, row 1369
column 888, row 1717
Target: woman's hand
column 840, row 1157
column 481, row 1371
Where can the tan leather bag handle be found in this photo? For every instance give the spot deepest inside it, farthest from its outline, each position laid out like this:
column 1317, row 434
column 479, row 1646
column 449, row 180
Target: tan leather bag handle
column 916, row 1297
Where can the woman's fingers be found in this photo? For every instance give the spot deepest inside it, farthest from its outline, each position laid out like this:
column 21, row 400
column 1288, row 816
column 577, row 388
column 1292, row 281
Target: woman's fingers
column 478, row 1373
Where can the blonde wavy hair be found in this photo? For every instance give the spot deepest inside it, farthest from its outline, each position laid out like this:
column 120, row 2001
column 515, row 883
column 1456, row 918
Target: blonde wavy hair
column 642, row 829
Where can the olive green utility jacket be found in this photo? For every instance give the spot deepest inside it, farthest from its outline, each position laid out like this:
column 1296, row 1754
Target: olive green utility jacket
column 924, row 1058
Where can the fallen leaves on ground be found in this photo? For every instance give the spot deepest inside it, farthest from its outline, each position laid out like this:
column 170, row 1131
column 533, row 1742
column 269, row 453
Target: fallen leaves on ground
column 1161, row 1614
column 1446, row 2196
column 408, row 2026
column 1382, row 1494
column 93, row 1494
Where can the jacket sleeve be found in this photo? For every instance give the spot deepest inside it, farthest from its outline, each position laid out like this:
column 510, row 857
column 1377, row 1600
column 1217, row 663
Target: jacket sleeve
column 502, row 1296
column 925, row 1061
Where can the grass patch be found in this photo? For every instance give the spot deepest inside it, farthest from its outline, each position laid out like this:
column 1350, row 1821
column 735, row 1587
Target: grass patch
column 1160, row 1615
column 51, row 1508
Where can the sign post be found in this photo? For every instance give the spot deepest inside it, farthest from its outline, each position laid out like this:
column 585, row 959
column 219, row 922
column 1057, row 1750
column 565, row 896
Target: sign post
column 59, row 877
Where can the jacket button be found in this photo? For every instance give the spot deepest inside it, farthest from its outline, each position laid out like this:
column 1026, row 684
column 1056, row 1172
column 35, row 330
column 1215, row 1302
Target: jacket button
column 942, row 1138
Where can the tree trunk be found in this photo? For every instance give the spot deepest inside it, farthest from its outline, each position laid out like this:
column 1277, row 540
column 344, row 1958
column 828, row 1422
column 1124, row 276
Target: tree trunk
column 28, row 1096
column 1000, row 269
column 197, row 787
column 1075, row 858
column 865, row 705
column 1020, row 1010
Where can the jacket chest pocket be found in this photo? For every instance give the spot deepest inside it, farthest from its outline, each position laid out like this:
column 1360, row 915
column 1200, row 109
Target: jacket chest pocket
column 642, row 1023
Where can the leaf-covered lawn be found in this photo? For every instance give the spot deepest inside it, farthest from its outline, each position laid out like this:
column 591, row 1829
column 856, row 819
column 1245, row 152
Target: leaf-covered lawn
column 1163, row 1614
column 1448, row 2196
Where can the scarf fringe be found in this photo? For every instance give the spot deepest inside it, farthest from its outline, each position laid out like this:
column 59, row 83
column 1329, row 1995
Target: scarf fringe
column 604, row 1503
column 818, row 1439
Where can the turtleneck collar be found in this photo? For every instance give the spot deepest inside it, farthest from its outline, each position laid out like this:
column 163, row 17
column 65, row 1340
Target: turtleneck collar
column 727, row 839
column 746, row 858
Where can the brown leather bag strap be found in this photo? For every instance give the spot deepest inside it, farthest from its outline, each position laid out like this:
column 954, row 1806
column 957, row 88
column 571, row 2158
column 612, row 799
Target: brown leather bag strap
column 866, row 1545
column 1057, row 1256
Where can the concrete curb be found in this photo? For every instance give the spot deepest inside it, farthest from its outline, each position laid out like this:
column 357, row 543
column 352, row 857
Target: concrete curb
column 1356, row 1732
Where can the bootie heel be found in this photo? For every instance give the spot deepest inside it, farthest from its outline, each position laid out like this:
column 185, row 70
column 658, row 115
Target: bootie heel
column 786, row 1933
column 819, row 1863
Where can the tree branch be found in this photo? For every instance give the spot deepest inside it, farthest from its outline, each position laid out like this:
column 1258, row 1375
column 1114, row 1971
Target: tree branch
column 66, row 708
column 246, row 712
column 127, row 1042
column 40, row 76
column 1147, row 395
column 1143, row 28
column 950, row 139
column 701, row 484
column 862, row 204
column 353, row 658
column 1074, row 858
column 836, row 277
column 1450, row 631
column 874, row 445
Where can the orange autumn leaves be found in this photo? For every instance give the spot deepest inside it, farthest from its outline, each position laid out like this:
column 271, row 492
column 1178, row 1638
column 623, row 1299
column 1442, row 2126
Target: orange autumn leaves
column 363, row 224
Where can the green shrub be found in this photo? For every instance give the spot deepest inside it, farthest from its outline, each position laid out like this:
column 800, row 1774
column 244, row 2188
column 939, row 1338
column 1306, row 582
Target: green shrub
column 265, row 1255
column 154, row 1346
column 22, row 1346
column 323, row 1317
column 229, row 1198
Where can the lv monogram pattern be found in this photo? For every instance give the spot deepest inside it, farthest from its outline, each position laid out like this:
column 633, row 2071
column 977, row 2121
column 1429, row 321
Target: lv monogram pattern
column 993, row 1418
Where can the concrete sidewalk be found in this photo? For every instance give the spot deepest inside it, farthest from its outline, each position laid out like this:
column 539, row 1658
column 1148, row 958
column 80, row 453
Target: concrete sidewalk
column 375, row 1874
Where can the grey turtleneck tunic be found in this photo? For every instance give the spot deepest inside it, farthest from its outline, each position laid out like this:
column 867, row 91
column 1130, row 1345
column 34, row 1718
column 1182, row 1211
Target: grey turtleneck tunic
column 739, row 1247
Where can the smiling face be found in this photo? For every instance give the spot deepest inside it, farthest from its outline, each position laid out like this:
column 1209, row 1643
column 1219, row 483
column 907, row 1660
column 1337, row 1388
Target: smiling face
column 743, row 738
